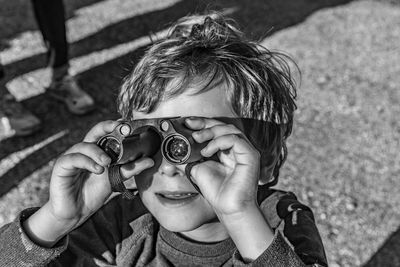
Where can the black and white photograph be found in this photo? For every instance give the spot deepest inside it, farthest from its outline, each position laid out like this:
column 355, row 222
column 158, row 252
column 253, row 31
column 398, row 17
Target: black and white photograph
column 192, row 133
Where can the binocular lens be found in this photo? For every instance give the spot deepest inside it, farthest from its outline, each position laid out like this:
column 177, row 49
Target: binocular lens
column 112, row 147
column 176, row 149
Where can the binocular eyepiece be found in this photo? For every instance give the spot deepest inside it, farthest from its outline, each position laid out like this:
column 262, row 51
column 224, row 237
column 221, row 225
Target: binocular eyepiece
column 131, row 140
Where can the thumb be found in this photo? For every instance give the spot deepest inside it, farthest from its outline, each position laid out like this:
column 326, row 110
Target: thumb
column 208, row 176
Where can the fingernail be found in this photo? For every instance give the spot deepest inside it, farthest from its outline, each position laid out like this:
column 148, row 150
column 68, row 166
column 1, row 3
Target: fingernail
column 98, row 167
column 150, row 163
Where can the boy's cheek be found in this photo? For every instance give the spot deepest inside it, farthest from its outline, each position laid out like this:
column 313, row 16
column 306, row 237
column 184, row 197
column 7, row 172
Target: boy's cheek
column 145, row 179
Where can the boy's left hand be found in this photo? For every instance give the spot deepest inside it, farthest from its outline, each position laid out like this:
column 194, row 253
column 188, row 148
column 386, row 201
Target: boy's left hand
column 230, row 185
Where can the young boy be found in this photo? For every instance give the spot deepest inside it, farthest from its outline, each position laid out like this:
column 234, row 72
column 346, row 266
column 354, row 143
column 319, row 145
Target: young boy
column 204, row 69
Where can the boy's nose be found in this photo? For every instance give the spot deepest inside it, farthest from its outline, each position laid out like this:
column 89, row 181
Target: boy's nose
column 169, row 169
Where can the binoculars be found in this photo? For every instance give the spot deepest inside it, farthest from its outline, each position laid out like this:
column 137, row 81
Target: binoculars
column 131, row 140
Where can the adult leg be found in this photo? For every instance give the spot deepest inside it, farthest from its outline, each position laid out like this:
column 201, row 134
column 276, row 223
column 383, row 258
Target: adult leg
column 50, row 16
column 1, row 72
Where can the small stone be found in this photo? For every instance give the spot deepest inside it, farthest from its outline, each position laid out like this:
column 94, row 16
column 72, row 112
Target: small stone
column 350, row 206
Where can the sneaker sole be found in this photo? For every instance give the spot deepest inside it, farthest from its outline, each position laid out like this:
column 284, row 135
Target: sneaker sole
column 62, row 100
column 29, row 131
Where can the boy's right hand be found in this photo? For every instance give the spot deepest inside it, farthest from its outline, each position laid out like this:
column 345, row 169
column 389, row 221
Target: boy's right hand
column 79, row 183
column 79, row 186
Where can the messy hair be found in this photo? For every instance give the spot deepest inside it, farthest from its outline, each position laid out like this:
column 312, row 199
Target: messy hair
column 206, row 51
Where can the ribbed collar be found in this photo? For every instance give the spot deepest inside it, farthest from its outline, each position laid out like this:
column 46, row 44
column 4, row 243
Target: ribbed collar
column 202, row 250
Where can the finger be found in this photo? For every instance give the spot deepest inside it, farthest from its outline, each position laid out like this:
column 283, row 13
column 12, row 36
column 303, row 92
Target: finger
column 70, row 164
column 205, row 175
column 136, row 167
column 198, row 123
column 215, row 131
column 92, row 151
column 243, row 150
column 100, row 129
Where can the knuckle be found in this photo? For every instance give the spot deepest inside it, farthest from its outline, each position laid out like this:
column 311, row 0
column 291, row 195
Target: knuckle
column 101, row 153
column 232, row 127
column 207, row 132
column 111, row 123
column 65, row 159
column 89, row 147
column 60, row 160
column 235, row 138
column 211, row 143
column 71, row 149
column 199, row 133
column 104, row 123
column 83, row 148
column 72, row 156
column 199, row 121
column 204, row 134
column 79, row 147
column 103, row 126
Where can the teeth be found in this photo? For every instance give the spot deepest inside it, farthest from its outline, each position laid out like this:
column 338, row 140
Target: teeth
column 179, row 195
column 183, row 195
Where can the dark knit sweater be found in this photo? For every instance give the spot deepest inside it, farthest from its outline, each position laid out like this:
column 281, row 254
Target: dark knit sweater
column 123, row 233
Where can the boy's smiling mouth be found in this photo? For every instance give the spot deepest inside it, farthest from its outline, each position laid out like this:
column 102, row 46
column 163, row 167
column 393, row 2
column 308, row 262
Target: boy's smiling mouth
column 176, row 194
column 174, row 198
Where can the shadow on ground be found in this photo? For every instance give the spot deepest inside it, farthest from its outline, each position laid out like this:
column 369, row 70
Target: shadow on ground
column 388, row 253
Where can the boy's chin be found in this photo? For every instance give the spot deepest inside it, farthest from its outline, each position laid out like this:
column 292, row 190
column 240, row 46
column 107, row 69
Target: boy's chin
column 180, row 225
column 185, row 225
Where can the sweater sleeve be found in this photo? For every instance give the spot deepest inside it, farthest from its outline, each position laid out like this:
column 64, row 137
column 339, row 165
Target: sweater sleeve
column 278, row 254
column 16, row 249
column 299, row 244
column 97, row 242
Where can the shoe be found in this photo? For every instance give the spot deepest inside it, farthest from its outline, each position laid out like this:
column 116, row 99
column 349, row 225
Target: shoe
column 15, row 119
column 67, row 90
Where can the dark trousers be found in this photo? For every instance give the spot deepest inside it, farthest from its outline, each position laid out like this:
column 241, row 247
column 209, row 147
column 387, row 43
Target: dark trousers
column 50, row 16
column 1, row 71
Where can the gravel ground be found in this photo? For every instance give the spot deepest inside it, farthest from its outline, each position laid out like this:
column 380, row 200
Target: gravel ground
column 343, row 155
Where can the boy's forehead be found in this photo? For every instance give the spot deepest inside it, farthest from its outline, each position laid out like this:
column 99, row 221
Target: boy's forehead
column 210, row 103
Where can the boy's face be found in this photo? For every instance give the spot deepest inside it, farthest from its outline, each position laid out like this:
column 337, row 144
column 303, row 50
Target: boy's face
column 164, row 188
